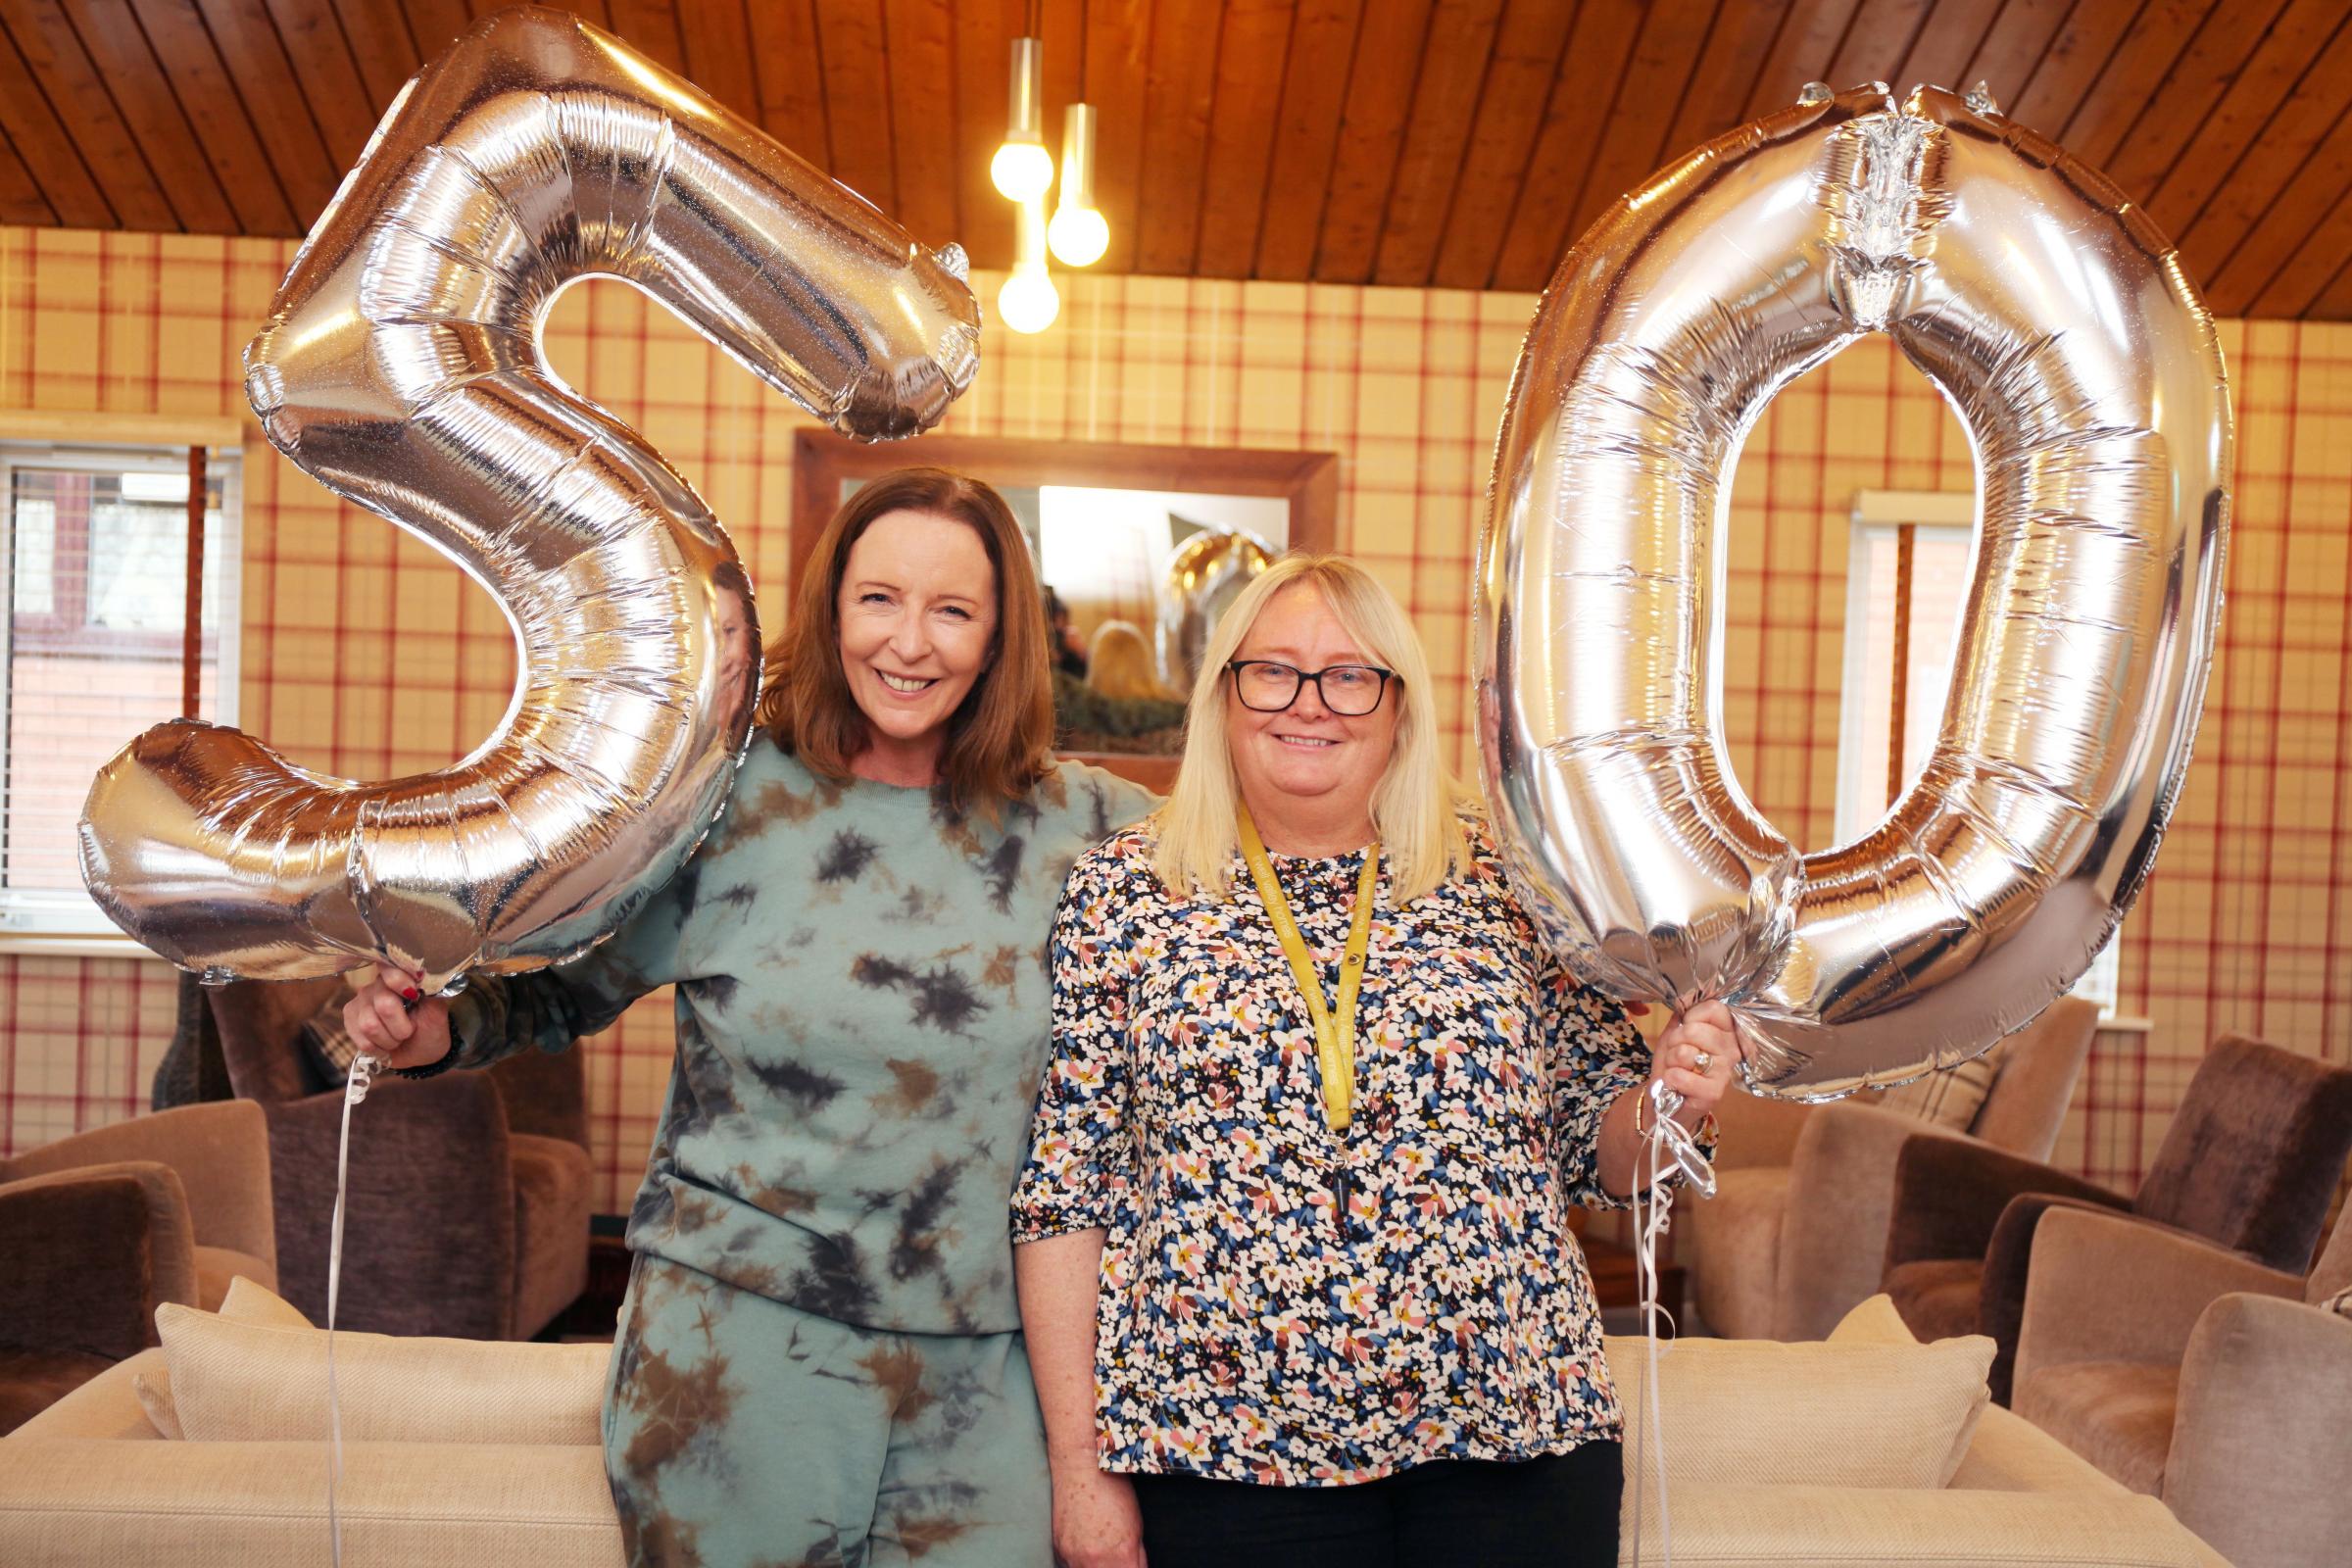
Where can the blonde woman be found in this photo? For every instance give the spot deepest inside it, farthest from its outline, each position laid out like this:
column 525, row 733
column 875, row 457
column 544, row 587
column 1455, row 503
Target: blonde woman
column 1292, row 1239
column 1119, row 664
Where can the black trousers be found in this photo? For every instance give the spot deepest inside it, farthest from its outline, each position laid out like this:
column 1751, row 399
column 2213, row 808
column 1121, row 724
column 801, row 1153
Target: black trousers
column 1557, row 1511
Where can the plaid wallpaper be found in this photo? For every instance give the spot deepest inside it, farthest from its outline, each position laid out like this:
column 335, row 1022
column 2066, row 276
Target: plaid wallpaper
column 366, row 655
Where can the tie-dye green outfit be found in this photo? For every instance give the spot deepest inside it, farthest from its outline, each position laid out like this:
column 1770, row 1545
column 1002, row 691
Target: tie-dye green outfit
column 819, row 1360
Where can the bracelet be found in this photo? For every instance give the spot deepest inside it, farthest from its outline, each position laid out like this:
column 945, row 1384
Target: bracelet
column 1640, row 1099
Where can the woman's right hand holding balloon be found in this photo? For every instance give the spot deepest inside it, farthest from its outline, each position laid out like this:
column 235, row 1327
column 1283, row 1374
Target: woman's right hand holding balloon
column 393, row 1021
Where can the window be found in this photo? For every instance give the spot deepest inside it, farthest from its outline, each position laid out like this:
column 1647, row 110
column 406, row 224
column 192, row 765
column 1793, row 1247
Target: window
column 1907, row 576
column 95, row 558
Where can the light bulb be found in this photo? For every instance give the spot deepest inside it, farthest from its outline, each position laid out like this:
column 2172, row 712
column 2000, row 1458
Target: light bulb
column 1028, row 302
column 1023, row 171
column 1079, row 236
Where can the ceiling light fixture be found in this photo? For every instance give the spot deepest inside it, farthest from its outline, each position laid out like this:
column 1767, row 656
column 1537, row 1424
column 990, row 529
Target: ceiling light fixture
column 1079, row 232
column 1022, row 169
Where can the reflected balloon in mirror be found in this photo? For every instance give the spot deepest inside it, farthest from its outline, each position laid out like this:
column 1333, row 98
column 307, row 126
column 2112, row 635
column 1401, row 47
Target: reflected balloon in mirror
column 400, row 367
column 1203, row 574
column 2058, row 322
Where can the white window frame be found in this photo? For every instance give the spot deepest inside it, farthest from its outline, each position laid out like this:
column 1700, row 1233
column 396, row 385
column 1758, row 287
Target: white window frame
column 1877, row 515
column 68, row 922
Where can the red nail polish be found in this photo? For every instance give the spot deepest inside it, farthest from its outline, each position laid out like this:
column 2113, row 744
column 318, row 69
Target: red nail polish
column 410, row 994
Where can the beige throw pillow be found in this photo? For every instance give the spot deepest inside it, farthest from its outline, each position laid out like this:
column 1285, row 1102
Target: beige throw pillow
column 1850, row 1413
column 1949, row 1097
column 246, row 1302
column 244, row 1381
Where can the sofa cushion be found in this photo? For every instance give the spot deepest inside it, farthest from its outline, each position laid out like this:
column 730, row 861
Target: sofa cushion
column 244, row 1301
column 2117, row 1415
column 1849, row 1415
column 1949, row 1097
column 1735, row 1525
column 1938, row 1295
column 255, row 1383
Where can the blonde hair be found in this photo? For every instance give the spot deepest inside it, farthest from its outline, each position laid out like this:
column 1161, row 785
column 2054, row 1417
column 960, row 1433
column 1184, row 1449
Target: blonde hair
column 1413, row 807
column 1119, row 664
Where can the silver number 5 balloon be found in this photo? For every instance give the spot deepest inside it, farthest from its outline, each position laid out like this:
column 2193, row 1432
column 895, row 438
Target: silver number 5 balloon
column 402, row 367
column 2057, row 321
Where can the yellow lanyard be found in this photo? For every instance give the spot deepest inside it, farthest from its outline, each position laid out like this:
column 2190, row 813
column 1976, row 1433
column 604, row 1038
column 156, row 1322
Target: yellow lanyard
column 1335, row 1039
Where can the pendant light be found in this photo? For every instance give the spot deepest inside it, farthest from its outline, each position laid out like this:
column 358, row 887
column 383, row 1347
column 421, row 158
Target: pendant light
column 1079, row 233
column 1023, row 171
column 1029, row 302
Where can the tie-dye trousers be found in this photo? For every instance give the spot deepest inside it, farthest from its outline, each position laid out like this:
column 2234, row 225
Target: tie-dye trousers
column 740, row 1431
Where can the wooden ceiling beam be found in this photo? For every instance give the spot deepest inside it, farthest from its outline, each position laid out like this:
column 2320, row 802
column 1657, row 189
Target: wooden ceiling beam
column 86, row 114
column 48, row 149
column 2080, row 49
column 2226, row 205
column 118, row 49
column 263, row 80
column 652, row 26
column 381, row 46
column 1877, row 41
column 788, row 79
column 1388, row 56
column 857, row 69
column 716, row 38
column 1802, row 51
column 434, row 25
column 1180, row 87
column 1947, row 43
column 1252, row 55
column 21, row 200
column 215, row 115
column 1724, row 78
column 1428, row 181
column 1324, row 40
column 2211, row 147
column 2281, row 237
column 922, row 105
column 2133, row 77
column 982, row 50
column 327, row 76
column 2016, row 44
column 2311, row 282
column 1526, row 62
column 1582, row 101
column 1632, row 139
column 2334, row 302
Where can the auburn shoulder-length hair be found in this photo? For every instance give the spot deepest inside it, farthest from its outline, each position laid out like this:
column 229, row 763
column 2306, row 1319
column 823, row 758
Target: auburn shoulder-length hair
column 1000, row 736
column 1414, row 807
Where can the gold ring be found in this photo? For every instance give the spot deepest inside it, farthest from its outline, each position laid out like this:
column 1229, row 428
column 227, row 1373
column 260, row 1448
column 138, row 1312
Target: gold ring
column 1705, row 1060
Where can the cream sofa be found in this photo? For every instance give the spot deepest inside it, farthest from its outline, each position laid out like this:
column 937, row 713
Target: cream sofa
column 90, row 1481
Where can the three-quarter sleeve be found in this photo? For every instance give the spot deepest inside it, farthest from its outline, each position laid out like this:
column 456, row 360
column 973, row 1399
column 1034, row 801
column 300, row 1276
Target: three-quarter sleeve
column 1592, row 1054
column 1081, row 1161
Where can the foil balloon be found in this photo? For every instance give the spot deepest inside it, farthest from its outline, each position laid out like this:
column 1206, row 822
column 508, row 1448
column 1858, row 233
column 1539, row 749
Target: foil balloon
column 401, row 366
column 1202, row 577
column 2056, row 320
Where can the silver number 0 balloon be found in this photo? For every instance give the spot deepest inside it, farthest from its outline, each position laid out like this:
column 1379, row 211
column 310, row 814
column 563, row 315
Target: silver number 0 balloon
column 402, row 367
column 2057, row 321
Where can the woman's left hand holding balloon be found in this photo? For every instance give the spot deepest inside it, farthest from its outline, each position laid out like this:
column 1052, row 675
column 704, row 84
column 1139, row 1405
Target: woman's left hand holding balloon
column 1694, row 1056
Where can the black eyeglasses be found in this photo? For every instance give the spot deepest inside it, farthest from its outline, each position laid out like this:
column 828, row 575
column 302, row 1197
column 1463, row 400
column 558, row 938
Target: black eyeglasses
column 1351, row 691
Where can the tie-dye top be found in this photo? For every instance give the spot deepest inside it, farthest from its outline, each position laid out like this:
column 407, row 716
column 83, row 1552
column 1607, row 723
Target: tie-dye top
column 1248, row 1330
column 862, row 1019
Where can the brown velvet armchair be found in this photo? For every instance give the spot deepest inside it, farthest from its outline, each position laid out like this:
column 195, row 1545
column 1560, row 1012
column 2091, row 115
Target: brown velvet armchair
column 100, row 1229
column 1795, row 1235
column 470, row 1192
column 2251, row 1163
column 2198, row 1376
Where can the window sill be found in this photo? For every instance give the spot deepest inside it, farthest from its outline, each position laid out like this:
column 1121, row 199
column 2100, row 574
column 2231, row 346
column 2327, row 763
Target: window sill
column 73, row 945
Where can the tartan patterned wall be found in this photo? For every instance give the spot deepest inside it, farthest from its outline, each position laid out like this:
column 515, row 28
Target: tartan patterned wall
column 364, row 654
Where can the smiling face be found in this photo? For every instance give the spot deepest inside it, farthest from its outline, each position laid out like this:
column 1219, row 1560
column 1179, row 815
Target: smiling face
column 1307, row 754
column 918, row 625
column 737, row 652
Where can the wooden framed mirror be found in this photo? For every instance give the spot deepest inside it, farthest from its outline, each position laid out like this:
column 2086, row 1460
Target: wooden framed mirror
column 1102, row 518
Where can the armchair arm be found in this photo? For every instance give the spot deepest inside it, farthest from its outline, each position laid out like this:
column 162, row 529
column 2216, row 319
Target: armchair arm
column 2116, row 1287
column 91, row 1254
column 219, row 1150
column 429, row 1244
column 1949, row 1195
column 2001, row 1287
column 2260, row 1442
column 1840, row 1199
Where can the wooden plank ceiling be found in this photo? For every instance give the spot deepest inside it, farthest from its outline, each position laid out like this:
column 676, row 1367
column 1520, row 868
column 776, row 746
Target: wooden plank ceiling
column 1460, row 143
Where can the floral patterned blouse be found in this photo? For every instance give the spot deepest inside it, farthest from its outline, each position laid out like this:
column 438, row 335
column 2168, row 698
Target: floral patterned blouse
column 1247, row 1330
